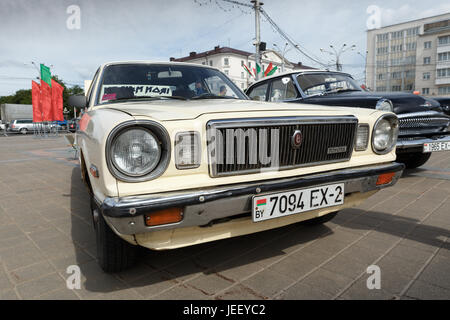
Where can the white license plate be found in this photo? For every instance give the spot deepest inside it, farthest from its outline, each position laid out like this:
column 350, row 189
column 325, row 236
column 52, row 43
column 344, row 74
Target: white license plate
column 436, row 146
column 293, row 202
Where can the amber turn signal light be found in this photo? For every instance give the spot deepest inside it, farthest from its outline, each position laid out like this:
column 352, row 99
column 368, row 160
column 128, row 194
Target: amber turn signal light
column 166, row 216
column 385, row 178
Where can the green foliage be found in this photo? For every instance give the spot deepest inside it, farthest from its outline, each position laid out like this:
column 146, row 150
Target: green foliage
column 24, row 96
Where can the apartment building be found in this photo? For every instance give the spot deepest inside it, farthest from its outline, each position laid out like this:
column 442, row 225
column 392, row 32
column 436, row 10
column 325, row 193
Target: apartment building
column 231, row 62
column 410, row 56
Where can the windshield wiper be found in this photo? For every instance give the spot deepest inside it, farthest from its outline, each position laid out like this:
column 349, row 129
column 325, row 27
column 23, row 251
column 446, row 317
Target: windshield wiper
column 149, row 98
column 211, row 96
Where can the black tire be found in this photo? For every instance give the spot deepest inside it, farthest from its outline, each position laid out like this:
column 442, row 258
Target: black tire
column 113, row 253
column 321, row 220
column 413, row 160
column 23, row 131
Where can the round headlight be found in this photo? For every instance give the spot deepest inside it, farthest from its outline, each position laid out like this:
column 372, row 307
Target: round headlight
column 385, row 133
column 135, row 152
column 385, row 105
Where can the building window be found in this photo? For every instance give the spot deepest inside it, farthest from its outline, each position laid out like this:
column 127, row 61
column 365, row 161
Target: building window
column 427, row 60
column 203, row 63
column 381, row 89
column 396, row 48
column 383, row 37
column 426, row 91
column 226, row 62
column 381, row 76
column 427, row 45
column 250, row 65
column 210, row 63
column 397, row 35
column 443, row 73
column 242, row 63
column 396, row 75
column 242, row 86
column 413, row 31
column 427, row 76
column 242, row 75
column 410, row 74
column 443, row 41
column 396, row 88
column 411, row 46
column 444, row 90
column 382, row 50
column 226, row 72
column 444, row 56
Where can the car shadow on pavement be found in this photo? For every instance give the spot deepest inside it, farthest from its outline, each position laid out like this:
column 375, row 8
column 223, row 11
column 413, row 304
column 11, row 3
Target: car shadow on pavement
column 229, row 259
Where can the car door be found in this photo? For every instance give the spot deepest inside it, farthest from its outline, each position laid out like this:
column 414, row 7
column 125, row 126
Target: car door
column 282, row 89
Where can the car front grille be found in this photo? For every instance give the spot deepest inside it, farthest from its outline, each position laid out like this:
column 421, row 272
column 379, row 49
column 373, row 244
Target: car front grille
column 418, row 123
column 240, row 146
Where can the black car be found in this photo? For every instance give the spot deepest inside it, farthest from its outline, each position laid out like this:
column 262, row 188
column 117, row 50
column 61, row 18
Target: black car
column 424, row 127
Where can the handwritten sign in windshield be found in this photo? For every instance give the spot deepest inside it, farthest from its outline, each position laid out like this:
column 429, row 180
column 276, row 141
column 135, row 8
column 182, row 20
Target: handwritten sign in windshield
column 114, row 91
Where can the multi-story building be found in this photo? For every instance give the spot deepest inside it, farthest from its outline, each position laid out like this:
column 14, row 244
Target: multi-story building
column 410, row 56
column 231, row 62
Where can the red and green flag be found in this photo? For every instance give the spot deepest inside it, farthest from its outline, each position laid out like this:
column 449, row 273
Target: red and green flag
column 248, row 70
column 46, row 75
column 260, row 203
column 270, row 70
column 57, row 101
column 36, row 101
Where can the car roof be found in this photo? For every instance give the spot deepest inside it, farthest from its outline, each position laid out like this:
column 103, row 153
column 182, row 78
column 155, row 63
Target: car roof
column 298, row 71
column 156, row 62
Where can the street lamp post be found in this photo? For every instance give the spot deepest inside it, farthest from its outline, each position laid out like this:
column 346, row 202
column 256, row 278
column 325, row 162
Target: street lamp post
column 284, row 54
column 338, row 53
column 365, row 66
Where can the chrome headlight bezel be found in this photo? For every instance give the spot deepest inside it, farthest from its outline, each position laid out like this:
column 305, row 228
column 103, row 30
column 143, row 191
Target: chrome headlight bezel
column 382, row 103
column 158, row 132
column 393, row 120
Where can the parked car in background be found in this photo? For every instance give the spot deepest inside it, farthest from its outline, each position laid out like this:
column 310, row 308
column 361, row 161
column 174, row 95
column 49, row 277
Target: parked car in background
column 2, row 125
column 23, row 126
column 169, row 162
column 424, row 128
column 72, row 125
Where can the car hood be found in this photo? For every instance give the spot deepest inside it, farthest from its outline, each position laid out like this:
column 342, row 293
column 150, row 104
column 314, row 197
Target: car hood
column 166, row 110
column 403, row 102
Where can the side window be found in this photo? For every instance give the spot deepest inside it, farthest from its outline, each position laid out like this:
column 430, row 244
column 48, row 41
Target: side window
column 282, row 89
column 259, row 93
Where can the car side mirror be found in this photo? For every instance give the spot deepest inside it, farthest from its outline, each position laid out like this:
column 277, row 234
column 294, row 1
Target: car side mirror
column 78, row 101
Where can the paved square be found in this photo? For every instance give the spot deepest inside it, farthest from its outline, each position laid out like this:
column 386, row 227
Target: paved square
column 45, row 227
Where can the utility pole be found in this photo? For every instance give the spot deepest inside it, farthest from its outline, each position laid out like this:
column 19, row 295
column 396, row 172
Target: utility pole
column 257, row 5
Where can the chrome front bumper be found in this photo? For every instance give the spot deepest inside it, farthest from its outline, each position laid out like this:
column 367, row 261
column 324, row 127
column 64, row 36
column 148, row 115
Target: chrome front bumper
column 418, row 143
column 202, row 207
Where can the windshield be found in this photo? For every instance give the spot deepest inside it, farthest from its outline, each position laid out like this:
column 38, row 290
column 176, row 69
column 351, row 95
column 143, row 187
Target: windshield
column 324, row 83
column 164, row 81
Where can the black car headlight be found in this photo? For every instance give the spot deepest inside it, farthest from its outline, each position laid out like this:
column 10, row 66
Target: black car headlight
column 138, row 151
column 384, row 134
column 385, row 105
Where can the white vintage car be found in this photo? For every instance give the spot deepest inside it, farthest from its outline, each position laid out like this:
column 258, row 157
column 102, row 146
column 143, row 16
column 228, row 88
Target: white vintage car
column 174, row 155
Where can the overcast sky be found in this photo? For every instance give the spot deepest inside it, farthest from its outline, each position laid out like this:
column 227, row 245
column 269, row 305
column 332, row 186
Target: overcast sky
column 110, row 30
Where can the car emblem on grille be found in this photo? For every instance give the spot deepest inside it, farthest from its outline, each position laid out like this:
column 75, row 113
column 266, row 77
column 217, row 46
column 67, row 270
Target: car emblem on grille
column 296, row 139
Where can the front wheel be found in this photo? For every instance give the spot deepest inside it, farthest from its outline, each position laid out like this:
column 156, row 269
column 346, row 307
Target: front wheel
column 113, row 253
column 413, row 160
column 23, row 131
